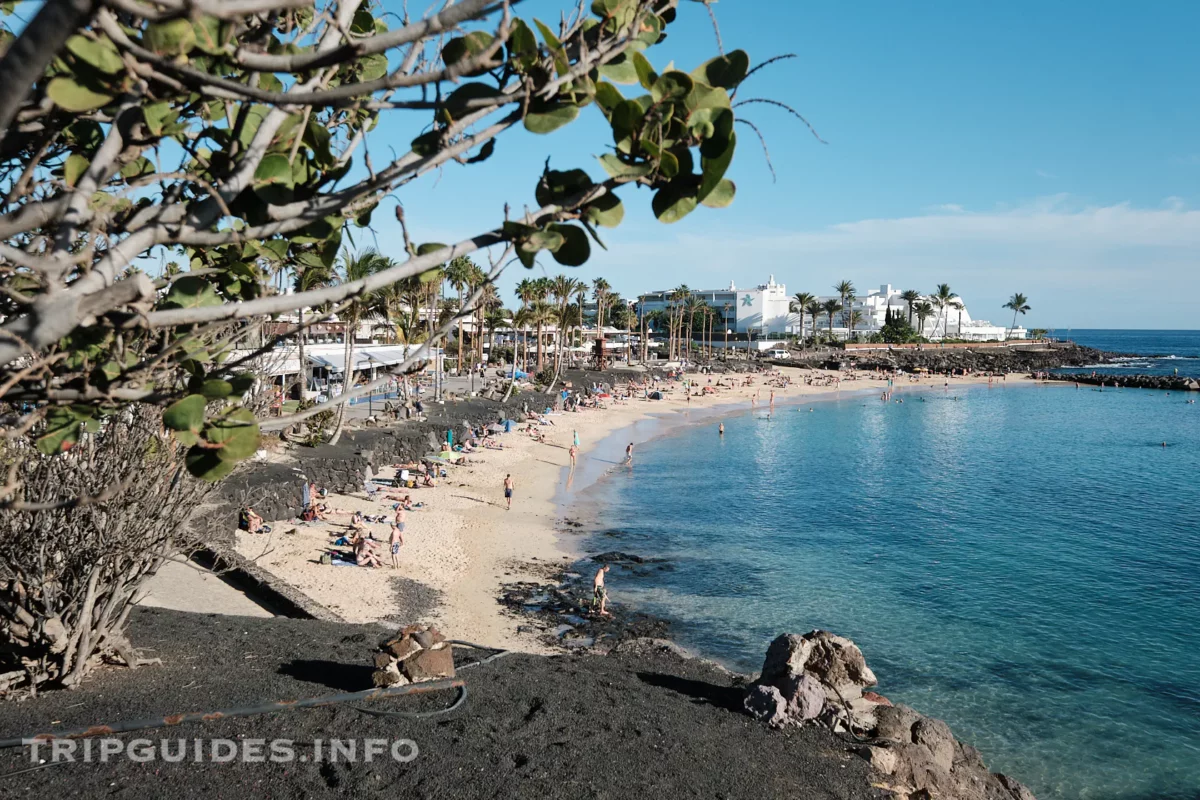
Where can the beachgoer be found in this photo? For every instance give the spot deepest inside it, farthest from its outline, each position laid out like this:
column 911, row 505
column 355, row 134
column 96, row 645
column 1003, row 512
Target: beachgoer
column 721, row 429
column 397, row 539
column 629, row 454
column 600, row 593
column 575, row 438
column 573, row 452
column 508, row 490
column 251, row 522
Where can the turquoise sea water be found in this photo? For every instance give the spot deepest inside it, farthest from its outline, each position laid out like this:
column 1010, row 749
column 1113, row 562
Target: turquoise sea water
column 1023, row 562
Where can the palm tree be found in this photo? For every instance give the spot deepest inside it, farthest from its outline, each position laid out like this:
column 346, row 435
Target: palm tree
column 855, row 318
column 541, row 312
column 1019, row 304
column 354, row 268
column 520, row 321
column 458, row 274
column 910, row 296
column 958, row 306
column 831, row 307
column 693, row 305
column 306, row 278
column 845, row 290
column 600, row 291
column 941, row 298
column 799, row 305
column 814, row 309
column 581, row 290
column 541, row 290
column 923, row 310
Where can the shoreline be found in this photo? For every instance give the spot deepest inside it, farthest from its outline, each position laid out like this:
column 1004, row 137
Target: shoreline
column 464, row 547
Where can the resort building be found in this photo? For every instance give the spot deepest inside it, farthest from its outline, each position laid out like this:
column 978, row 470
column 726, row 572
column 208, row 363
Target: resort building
column 762, row 310
column 952, row 322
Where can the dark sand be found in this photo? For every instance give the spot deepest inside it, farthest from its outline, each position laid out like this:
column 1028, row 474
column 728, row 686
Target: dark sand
column 568, row 726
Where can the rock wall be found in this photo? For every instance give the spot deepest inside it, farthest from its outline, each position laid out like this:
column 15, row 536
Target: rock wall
column 821, row 678
column 274, row 489
column 1161, row 382
column 936, row 359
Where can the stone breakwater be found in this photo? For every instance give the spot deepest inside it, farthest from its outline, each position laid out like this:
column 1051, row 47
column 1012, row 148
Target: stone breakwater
column 1167, row 383
column 820, row 678
column 1022, row 359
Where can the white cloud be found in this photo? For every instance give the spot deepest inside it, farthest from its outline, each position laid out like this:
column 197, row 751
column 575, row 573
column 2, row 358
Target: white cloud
column 1087, row 263
column 1041, row 173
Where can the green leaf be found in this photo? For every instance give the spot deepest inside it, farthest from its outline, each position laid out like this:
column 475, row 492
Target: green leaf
column 186, row 414
column 192, row 292
column 74, row 168
column 464, row 47
column 645, row 73
column 214, row 389
column 137, row 168
column 172, row 38
column 575, row 248
column 71, row 96
column 485, row 152
column 721, row 194
column 725, row 71
column 607, row 211
column 373, row 66
column 274, row 169
column 619, row 169
column 427, row 144
column 102, row 54
column 237, row 434
column 242, row 382
column 555, row 186
column 206, row 465
column 674, row 201
column 671, row 86
column 541, row 240
column 620, row 70
column 544, row 117
column 522, row 45
column 668, row 164
column 548, row 36
column 62, row 431
column 254, row 116
column 157, row 115
column 429, row 247
column 608, row 97
column 457, row 103
column 207, row 31
column 713, row 169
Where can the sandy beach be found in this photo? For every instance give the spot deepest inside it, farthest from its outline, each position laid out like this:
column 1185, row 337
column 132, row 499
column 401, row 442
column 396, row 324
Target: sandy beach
column 464, row 544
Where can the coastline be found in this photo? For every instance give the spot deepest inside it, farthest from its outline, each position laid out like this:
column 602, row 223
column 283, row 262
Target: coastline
column 464, row 547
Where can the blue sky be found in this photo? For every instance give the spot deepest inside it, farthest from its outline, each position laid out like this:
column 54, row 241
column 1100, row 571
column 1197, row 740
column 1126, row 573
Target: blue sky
column 1052, row 149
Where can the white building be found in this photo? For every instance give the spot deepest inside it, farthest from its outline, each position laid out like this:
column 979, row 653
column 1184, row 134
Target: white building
column 762, row 309
column 953, row 322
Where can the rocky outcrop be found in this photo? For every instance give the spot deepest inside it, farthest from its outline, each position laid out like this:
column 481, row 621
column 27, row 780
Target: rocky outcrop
column 822, row 678
column 936, row 359
column 1167, row 383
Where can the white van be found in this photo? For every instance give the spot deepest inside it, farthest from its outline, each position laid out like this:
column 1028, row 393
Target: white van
column 778, row 354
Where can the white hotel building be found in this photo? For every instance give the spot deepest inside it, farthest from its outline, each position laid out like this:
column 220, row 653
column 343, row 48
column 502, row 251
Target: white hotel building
column 764, row 309
column 953, row 322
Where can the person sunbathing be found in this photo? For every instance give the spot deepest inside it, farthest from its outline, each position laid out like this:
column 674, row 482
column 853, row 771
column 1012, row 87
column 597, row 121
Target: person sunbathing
column 365, row 553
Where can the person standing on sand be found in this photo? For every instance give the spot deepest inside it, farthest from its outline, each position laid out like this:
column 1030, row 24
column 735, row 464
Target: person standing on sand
column 397, row 539
column 508, row 490
column 600, row 593
column 573, row 452
column 575, row 438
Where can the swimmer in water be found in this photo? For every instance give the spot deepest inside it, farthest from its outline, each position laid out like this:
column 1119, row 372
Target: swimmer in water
column 721, row 429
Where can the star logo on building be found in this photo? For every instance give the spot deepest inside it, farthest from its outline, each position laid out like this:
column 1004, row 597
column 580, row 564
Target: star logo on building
column 747, row 300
